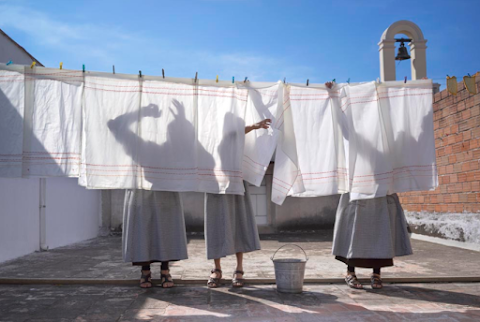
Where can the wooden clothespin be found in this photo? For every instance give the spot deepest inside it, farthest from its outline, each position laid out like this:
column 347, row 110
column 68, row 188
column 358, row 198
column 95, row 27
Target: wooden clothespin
column 216, row 80
column 308, row 82
column 163, row 73
column 196, row 74
column 113, row 68
column 140, row 73
column 33, row 64
column 9, row 62
column 61, row 65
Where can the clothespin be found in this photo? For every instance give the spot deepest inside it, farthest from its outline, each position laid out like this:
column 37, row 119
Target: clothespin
column 61, row 65
column 233, row 80
column 245, row 79
column 83, row 68
column 405, row 81
column 163, row 73
column 348, row 80
column 284, row 79
column 33, row 64
column 140, row 73
column 469, row 75
column 196, row 74
column 113, row 68
column 216, row 81
column 308, row 82
column 333, row 80
column 9, row 62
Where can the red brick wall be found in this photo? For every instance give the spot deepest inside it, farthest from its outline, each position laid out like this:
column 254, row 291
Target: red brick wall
column 457, row 144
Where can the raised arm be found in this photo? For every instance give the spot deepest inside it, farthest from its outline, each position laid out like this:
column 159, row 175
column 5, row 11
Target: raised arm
column 265, row 124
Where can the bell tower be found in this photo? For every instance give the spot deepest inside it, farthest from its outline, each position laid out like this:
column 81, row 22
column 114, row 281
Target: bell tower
column 417, row 49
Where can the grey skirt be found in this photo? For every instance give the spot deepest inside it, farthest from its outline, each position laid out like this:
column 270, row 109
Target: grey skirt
column 230, row 225
column 153, row 227
column 371, row 229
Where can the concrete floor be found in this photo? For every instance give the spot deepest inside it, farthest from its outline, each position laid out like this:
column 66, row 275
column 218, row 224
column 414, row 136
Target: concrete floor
column 413, row 302
column 101, row 259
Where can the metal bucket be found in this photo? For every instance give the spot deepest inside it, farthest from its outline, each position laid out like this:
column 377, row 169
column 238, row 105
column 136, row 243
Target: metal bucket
column 289, row 272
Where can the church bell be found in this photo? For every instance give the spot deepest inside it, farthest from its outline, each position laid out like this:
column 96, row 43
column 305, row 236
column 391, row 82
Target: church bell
column 402, row 52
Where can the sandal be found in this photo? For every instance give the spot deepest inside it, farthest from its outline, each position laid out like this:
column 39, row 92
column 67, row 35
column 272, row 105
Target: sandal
column 238, row 282
column 353, row 282
column 166, row 278
column 146, row 280
column 214, row 282
column 376, row 281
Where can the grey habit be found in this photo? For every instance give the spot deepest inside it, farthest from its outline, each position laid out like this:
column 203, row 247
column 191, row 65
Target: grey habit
column 371, row 229
column 153, row 227
column 230, row 225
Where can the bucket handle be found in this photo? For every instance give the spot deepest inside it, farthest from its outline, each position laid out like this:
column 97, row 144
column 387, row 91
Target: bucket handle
column 306, row 257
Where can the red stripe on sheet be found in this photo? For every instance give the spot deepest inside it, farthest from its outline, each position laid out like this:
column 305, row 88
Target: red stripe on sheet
column 263, row 165
column 149, row 177
column 406, row 95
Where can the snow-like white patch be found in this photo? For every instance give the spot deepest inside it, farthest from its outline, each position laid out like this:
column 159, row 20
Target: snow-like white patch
column 456, row 226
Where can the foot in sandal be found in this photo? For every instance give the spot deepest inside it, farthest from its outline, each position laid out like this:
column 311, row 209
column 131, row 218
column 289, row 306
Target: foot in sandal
column 166, row 279
column 215, row 278
column 352, row 281
column 376, row 281
column 146, row 279
column 238, row 280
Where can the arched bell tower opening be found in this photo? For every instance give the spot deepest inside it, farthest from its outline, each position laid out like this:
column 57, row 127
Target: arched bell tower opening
column 417, row 45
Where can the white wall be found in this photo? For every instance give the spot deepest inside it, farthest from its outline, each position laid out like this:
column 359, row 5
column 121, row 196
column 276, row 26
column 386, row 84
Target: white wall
column 10, row 51
column 19, row 219
column 72, row 214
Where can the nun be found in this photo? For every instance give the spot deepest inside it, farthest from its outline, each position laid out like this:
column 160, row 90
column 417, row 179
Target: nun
column 369, row 234
column 230, row 227
column 153, row 221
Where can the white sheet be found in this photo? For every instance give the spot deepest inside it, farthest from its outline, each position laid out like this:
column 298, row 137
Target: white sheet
column 11, row 120
column 110, row 132
column 52, row 135
column 167, row 137
column 369, row 163
column 263, row 103
column 408, row 117
column 356, row 138
column 221, row 134
column 287, row 177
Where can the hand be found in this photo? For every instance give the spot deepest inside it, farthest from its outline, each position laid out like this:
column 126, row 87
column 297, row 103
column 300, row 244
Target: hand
column 151, row 110
column 265, row 124
column 329, row 85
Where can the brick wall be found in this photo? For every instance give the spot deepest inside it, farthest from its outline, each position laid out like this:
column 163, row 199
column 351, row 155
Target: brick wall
column 457, row 144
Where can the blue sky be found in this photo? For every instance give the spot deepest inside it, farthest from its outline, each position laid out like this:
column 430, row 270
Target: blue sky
column 264, row 40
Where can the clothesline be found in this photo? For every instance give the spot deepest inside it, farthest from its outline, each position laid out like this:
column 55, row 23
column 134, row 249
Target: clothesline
column 120, row 131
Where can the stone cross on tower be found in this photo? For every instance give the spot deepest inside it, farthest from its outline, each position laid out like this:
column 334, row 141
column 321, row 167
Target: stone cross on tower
column 417, row 50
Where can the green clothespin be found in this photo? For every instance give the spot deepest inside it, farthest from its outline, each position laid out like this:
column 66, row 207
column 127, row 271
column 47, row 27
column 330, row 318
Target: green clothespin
column 348, row 80
column 83, row 68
